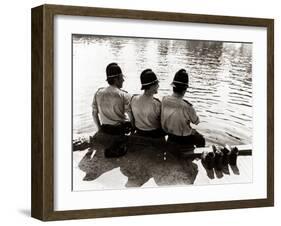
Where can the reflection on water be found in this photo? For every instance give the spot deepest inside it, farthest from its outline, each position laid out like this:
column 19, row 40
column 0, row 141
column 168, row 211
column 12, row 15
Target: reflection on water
column 220, row 79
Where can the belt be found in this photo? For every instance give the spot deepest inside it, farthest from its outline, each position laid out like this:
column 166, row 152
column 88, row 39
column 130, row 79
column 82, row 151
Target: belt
column 120, row 129
column 156, row 133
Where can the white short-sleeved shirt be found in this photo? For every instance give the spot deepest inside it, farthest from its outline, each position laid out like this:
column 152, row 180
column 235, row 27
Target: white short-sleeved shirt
column 176, row 116
column 146, row 111
column 111, row 104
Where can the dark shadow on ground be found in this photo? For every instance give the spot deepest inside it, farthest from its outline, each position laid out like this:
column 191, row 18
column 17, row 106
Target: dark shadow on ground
column 209, row 171
column 225, row 169
column 219, row 173
column 235, row 169
column 140, row 164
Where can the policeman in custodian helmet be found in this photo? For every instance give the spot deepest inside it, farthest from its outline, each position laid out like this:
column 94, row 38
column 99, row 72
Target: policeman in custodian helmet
column 177, row 114
column 146, row 109
column 110, row 104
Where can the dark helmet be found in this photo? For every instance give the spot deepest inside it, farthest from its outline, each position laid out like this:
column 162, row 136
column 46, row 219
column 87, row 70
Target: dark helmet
column 180, row 79
column 113, row 70
column 148, row 78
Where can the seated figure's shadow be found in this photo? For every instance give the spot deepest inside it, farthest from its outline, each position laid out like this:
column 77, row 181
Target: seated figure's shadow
column 220, row 173
column 140, row 164
column 209, row 170
column 235, row 169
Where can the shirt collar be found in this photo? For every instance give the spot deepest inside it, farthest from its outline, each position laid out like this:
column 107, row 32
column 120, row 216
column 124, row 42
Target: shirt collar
column 177, row 96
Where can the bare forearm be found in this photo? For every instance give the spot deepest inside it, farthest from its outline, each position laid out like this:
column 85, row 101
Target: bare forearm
column 96, row 119
column 131, row 117
column 197, row 121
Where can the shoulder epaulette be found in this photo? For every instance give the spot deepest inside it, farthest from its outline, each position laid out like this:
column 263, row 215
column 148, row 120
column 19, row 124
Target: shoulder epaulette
column 134, row 95
column 187, row 102
column 124, row 91
column 156, row 99
column 100, row 89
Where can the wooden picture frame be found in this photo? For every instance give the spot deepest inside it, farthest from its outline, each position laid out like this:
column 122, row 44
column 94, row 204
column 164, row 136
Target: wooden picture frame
column 43, row 111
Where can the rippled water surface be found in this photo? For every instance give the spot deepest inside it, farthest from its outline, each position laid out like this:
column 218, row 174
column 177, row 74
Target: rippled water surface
column 220, row 79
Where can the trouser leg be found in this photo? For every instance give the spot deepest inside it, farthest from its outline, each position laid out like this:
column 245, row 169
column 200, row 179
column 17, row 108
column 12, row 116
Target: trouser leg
column 117, row 146
column 117, row 149
column 197, row 139
column 194, row 139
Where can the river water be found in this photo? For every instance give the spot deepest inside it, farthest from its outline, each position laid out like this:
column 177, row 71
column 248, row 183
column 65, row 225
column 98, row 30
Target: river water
column 220, row 79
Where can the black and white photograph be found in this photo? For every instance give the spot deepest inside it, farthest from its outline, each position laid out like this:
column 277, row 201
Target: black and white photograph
column 155, row 112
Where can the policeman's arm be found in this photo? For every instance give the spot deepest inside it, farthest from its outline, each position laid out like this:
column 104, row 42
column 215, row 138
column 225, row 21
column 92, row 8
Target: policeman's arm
column 130, row 112
column 194, row 117
column 128, row 108
column 131, row 117
column 96, row 119
column 191, row 115
column 95, row 113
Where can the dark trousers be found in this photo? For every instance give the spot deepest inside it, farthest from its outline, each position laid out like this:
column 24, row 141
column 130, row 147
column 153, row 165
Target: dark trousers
column 157, row 133
column 119, row 147
column 195, row 139
column 121, row 129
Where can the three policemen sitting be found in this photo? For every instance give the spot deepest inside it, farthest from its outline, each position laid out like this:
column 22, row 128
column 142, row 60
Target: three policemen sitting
column 116, row 112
